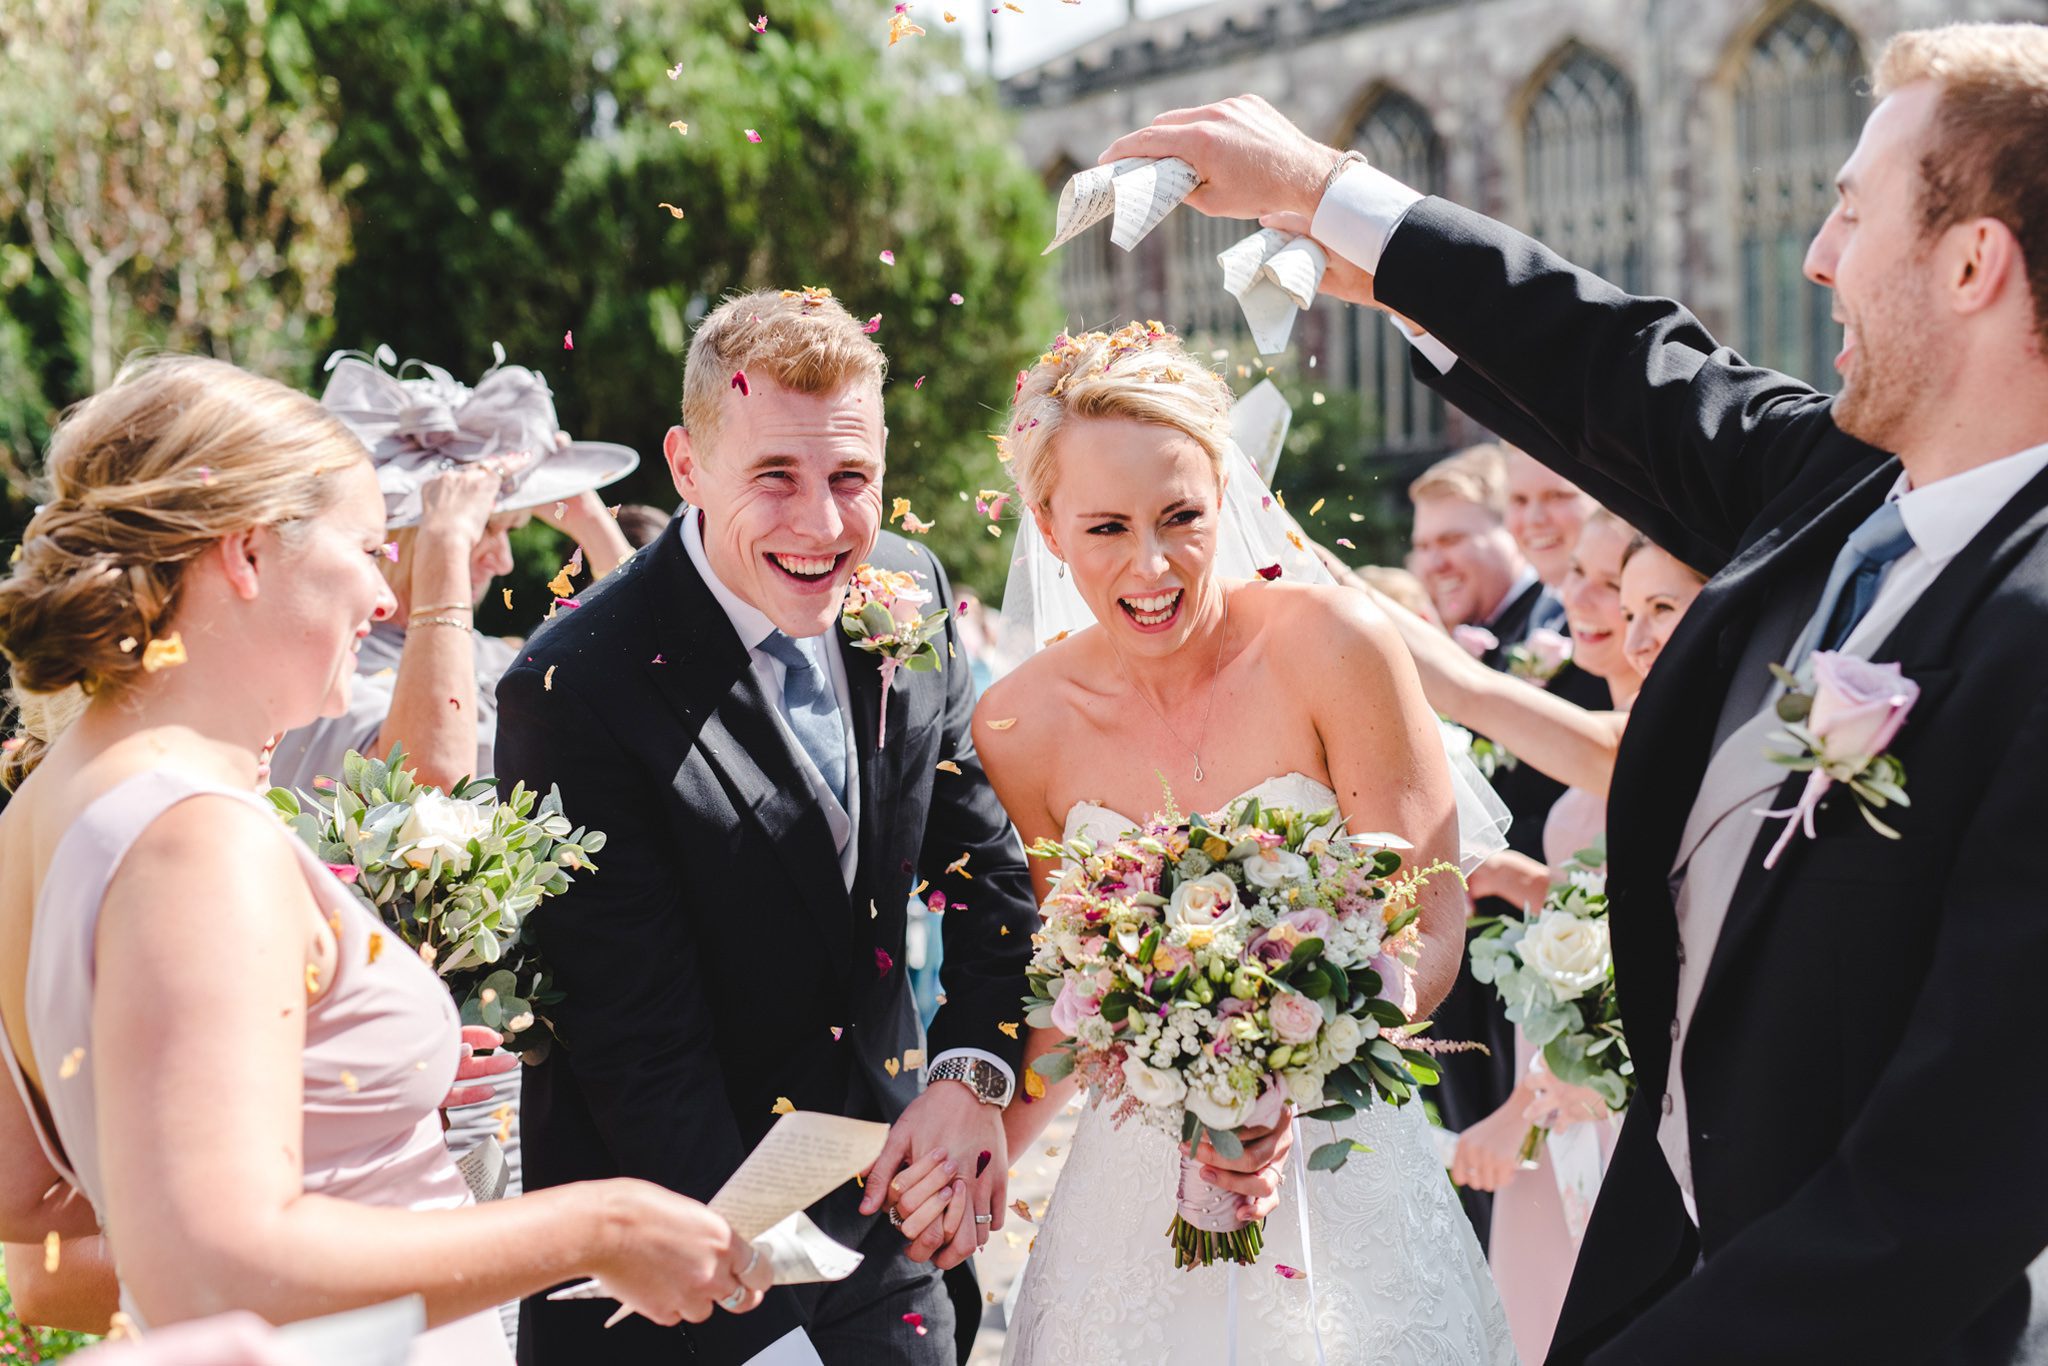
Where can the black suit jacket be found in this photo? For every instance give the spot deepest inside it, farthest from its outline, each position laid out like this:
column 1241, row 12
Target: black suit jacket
column 707, row 962
column 1851, row 1209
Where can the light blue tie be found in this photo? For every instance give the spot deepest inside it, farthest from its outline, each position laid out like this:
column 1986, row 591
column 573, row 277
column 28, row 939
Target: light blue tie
column 811, row 709
column 1853, row 583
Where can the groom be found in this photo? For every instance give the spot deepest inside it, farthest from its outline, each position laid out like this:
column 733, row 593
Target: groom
column 740, row 949
column 1829, row 1157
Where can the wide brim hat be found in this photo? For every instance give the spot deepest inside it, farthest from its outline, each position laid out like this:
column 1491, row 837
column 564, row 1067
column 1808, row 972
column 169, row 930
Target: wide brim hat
column 418, row 426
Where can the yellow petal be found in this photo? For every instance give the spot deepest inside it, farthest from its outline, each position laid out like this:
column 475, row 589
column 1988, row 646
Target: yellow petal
column 503, row 1114
column 376, row 946
column 1004, row 724
column 51, row 1252
column 312, row 979
column 782, row 1106
column 1317, row 506
column 1034, row 1085
column 560, row 585
column 1008, row 1027
column 913, row 1057
column 890, row 1066
column 73, row 1060
column 681, row 127
column 673, row 211
column 508, row 598
column 948, row 766
column 547, row 680
column 348, row 1079
column 163, row 654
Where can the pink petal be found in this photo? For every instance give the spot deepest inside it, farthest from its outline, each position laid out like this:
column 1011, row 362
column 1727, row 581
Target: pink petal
column 739, row 382
column 347, row 872
column 919, row 384
column 1269, row 572
column 568, row 341
column 889, row 257
column 753, row 136
column 1288, row 1272
column 872, row 325
column 883, row 962
column 955, row 300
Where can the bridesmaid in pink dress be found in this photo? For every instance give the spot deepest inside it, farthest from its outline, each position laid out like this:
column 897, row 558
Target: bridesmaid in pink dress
column 224, row 1072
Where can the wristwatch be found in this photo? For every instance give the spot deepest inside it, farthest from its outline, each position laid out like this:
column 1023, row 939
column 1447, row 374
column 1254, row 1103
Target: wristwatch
column 990, row 1084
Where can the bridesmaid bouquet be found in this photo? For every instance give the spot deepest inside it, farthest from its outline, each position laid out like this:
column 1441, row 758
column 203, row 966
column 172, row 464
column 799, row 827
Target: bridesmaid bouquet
column 1555, row 973
column 1208, row 972
column 456, row 875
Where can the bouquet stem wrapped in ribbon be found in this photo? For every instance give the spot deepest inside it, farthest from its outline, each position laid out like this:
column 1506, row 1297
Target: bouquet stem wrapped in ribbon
column 1209, row 972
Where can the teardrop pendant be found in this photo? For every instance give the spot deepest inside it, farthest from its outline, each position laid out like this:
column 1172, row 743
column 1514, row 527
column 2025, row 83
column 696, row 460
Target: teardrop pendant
column 1199, row 775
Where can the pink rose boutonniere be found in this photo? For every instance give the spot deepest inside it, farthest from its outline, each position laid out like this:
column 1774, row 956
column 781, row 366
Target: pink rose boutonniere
column 1475, row 640
column 884, row 615
column 1541, row 657
column 1842, row 729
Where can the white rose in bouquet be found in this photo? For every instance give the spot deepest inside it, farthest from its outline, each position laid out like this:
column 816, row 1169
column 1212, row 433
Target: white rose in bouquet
column 442, row 825
column 1204, row 903
column 1153, row 1085
column 1273, row 868
column 1569, row 953
column 1304, row 1088
column 1220, row 1105
column 1342, row 1038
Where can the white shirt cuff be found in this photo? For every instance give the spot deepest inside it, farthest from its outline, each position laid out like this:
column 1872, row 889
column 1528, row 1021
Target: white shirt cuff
column 1000, row 1065
column 791, row 1349
column 1359, row 214
column 1439, row 355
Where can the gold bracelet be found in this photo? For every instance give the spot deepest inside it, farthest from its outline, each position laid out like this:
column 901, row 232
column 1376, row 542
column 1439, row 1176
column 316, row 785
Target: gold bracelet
column 445, row 607
column 437, row 621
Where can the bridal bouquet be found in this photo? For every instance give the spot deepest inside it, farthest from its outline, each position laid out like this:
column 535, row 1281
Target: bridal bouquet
column 1555, row 973
column 1209, row 971
column 455, row 875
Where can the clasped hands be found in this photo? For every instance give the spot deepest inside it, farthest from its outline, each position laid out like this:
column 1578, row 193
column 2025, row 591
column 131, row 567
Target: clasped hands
column 943, row 1175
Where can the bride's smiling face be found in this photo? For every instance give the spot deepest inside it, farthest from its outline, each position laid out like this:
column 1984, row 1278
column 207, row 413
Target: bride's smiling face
column 1134, row 513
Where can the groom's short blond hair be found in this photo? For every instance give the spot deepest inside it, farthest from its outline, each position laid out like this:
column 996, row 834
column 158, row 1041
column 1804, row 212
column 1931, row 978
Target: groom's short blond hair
column 801, row 339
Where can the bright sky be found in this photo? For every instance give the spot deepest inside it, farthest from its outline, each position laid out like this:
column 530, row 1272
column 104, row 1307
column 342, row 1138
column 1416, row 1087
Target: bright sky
column 1044, row 30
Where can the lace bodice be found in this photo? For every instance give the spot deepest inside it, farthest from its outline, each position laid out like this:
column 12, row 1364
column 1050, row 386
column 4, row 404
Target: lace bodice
column 1393, row 1271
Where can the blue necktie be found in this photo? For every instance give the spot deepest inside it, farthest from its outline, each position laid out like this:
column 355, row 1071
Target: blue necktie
column 811, row 709
column 1853, row 583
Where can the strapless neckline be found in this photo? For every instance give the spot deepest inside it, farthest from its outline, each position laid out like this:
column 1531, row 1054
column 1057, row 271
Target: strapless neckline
column 1313, row 794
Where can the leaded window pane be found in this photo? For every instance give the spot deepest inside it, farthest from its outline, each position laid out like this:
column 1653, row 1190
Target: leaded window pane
column 1582, row 151
column 1796, row 116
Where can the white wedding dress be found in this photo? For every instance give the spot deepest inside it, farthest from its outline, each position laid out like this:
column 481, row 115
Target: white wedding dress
column 1390, row 1273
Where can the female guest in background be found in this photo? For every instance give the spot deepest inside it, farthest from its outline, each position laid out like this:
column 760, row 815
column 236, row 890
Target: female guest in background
column 209, row 1058
column 460, row 469
column 1623, row 597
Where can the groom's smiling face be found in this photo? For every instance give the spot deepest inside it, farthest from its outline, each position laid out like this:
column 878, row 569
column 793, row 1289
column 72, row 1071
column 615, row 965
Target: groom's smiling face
column 790, row 486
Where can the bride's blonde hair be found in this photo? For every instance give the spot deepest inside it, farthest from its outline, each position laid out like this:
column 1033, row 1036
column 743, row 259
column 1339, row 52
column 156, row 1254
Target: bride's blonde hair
column 1140, row 372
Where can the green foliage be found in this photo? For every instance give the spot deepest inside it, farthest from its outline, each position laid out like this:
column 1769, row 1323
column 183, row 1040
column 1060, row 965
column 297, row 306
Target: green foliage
column 456, row 875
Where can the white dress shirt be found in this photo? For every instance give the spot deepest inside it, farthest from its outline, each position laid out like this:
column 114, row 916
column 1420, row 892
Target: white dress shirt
column 1356, row 219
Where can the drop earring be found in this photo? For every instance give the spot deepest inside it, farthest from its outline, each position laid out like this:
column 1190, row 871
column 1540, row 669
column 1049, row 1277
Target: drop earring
column 1063, row 569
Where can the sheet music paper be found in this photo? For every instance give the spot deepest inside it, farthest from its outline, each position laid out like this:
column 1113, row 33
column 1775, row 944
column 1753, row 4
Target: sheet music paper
column 1140, row 191
column 1273, row 276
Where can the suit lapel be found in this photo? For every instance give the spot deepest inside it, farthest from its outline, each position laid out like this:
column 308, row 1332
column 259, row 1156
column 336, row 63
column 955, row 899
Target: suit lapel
column 710, row 681
column 1923, row 644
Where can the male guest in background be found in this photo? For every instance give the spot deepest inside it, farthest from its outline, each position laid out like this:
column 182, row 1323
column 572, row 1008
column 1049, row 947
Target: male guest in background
column 1461, row 550
column 740, row 949
column 1544, row 514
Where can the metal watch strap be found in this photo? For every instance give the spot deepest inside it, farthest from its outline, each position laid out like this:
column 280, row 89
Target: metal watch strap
column 978, row 1075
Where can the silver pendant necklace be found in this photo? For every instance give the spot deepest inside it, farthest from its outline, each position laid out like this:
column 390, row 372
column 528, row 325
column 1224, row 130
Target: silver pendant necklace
column 1216, row 676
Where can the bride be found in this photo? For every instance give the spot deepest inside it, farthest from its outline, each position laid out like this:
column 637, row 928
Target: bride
column 1207, row 688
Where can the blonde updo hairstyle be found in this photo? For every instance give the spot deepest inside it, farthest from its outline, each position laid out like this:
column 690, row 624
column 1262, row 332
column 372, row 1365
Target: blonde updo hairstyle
column 1140, row 372
column 145, row 476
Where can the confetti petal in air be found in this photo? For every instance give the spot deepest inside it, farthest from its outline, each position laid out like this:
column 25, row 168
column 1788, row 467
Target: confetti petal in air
column 950, row 16
column 128, row 644
column 1318, row 506
column 753, row 136
column 376, row 947
column 959, row 865
column 760, row 25
column 891, row 1066
column 569, row 341
column 657, row 659
column 165, row 653
column 680, row 126
column 73, row 1060
column 915, row 525
column 872, row 325
column 674, row 72
column 1269, row 572
column 898, row 509
column 503, row 1114
column 1345, row 541
column 955, row 300
column 919, row 384
column 782, row 1106
column 900, row 26
column 916, row 1321
column 1018, row 1207
column 1286, row 1272
column 883, row 962
column 560, row 584
column 547, row 680
column 673, row 211
column 1009, row 1027
column 348, row 1079
column 508, row 598
column 948, row 766
column 889, row 257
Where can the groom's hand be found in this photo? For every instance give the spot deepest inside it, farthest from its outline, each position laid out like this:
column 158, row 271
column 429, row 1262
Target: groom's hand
column 950, row 1220
column 1251, row 160
column 1257, row 1174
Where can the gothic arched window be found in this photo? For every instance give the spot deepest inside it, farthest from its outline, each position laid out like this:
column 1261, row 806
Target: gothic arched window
column 1582, row 154
column 1796, row 116
column 1396, row 135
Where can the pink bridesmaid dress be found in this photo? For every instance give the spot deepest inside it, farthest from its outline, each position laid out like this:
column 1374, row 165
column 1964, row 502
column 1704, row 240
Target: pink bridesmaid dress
column 381, row 1042
column 1532, row 1247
